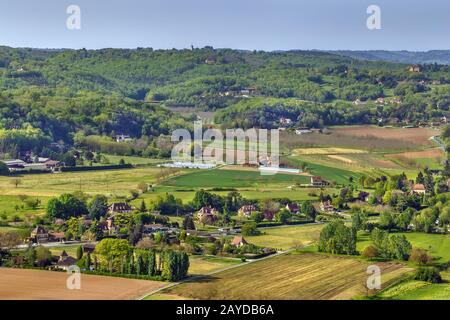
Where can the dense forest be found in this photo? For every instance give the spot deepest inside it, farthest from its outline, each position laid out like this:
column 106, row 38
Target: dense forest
column 86, row 97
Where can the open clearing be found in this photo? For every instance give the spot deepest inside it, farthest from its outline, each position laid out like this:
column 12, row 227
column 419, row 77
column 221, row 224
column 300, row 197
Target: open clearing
column 289, row 277
column 21, row 284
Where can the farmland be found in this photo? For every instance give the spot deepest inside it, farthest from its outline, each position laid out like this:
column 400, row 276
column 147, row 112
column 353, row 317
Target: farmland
column 217, row 178
column 46, row 285
column 287, row 237
column 304, row 277
column 419, row 290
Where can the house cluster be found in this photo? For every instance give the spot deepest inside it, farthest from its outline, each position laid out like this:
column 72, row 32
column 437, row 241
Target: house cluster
column 244, row 92
column 414, row 68
column 391, row 101
column 39, row 164
column 40, row 235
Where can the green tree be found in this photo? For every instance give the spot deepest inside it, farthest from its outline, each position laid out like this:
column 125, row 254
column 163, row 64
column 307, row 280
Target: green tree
column 79, row 252
column 337, row 238
column 98, row 207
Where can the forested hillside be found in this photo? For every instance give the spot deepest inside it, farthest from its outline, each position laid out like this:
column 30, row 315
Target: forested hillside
column 81, row 96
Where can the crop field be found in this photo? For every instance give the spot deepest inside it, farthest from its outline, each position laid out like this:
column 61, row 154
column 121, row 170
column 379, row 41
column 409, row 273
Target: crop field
column 327, row 151
column 284, row 238
column 22, row 284
column 437, row 244
column 419, row 137
column 289, row 277
column 323, row 167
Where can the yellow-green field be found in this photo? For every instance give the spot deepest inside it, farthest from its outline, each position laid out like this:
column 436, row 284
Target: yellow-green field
column 112, row 182
column 284, row 238
column 419, row 290
column 289, row 276
column 201, row 265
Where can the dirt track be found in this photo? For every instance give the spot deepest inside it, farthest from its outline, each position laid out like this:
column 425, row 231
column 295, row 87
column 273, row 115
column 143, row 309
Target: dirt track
column 47, row 285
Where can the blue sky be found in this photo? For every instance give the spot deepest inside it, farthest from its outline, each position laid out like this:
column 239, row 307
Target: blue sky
column 242, row 24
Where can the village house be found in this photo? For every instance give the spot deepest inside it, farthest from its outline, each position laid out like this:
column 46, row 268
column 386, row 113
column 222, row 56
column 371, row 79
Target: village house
column 238, row 241
column 419, row 188
column 123, row 138
column 327, row 207
column 414, row 68
column 207, row 212
column 119, row 207
column 65, row 261
column 317, row 181
column 39, row 235
column 247, row 210
column 56, row 236
column 293, row 208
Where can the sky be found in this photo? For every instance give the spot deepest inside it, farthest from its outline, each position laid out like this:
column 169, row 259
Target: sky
column 415, row 25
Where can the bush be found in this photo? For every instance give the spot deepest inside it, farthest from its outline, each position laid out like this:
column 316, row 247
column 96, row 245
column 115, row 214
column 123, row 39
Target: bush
column 428, row 274
column 370, row 252
column 419, row 256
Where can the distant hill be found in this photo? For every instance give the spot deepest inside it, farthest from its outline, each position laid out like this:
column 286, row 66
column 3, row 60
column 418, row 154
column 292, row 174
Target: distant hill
column 429, row 57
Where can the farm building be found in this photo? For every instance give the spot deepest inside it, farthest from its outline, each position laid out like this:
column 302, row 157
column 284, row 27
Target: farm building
column 317, row 181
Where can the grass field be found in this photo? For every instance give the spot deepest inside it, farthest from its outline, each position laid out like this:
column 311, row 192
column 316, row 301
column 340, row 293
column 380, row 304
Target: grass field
column 284, row 238
column 200, row 265
column 419, row 290
column 289, row 276
column 437, row 244
column 117, row 182
column 217, row 178
column 22, row 284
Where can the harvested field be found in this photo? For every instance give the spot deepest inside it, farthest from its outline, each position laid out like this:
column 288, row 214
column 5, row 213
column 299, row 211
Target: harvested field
column 426, row 154
column 290, row 277
column 341, row 158
column 326, row 151
column 49, row 285
column 416, row 136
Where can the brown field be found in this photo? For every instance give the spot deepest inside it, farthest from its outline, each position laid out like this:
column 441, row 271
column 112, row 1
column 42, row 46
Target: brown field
column 426, row 154
column 416, row 136
column 50, row 285
column 290, row 277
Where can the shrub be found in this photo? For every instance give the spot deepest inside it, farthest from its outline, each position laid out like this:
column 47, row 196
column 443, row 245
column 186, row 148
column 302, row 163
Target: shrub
column 370, row 252
column 420, row 256
column 428, row 274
